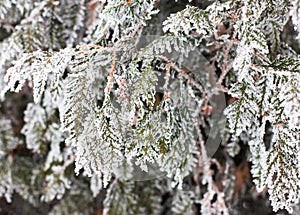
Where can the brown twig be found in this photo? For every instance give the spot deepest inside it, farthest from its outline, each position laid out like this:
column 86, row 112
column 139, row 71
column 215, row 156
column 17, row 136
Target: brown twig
column 184, row 74
column 166, row 94
column 111, row 73
column 226, row 67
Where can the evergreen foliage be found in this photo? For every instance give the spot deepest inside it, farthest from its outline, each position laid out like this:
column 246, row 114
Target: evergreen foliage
column 111, row 105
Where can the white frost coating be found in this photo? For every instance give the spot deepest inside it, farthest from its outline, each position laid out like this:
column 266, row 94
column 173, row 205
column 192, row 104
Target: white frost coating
column 110, row 111
column 295, row 15
column 283, row 176
column 96, row 184
column 38, row 71
column 55, row 136
column 35, row 125
column 124, row 18
column 56, row 184
column 8, row 142
column 182, row 202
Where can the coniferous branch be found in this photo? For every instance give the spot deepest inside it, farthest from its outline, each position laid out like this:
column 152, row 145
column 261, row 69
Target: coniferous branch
column 113, row 109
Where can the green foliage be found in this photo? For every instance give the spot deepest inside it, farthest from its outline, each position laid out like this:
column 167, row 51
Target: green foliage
column 121, row 107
